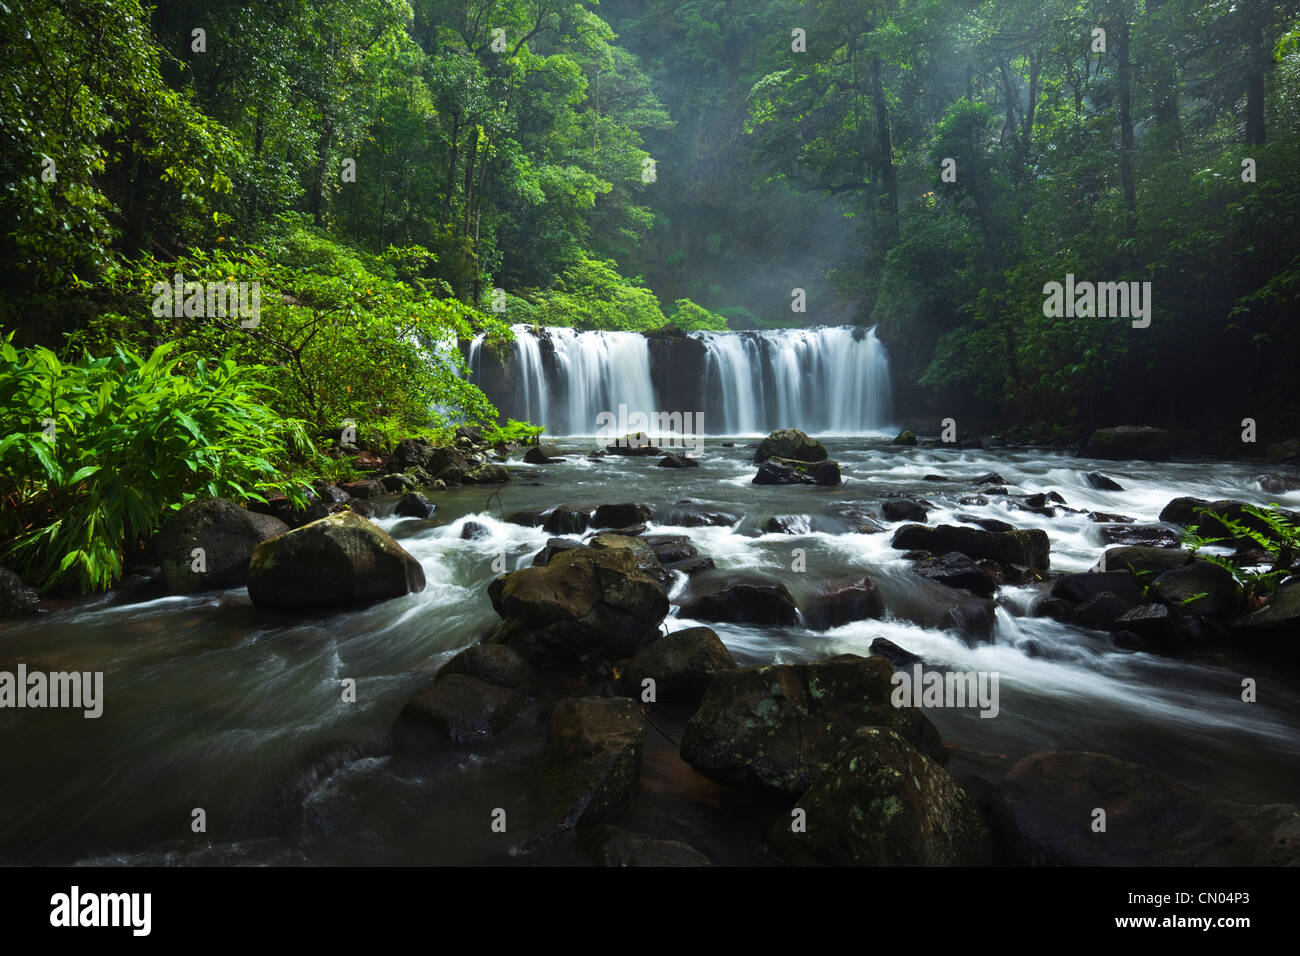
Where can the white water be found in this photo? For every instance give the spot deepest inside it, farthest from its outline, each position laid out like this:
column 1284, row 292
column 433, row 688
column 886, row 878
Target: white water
column 831, row 380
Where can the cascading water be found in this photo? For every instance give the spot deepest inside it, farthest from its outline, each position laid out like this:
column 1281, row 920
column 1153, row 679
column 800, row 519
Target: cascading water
column 833, row 380
column 825, row 380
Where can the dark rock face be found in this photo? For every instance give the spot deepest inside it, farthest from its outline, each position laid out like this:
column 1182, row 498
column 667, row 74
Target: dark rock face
column 414, row 505
column 565, row 520
column 342, row 559
column 279, row 506
column 621, row 516
column 1103, row 610
column 365, row 488
column 494, row 663
column 775, row 729
column 16, row 598
column 1147, row 535
column 609, row 845
column 691, row 515
column 543, row 455
column 678, row 367
column 682, row 665
column 464, row 708
column 1199, row 588
column 592, row 758
column 792, row 445
column 1129, row 443
column 743, row 604
column 1046, row 804
column 836, row 606
column 1149, row 627
column 228, row 535
column 1095, row 479
column 784, row 471
column 881, row 802
column 1077, row 588
column 903, row 509
column 671, row 460
column 1141, row 560
column 956, row 570
column 1274, row 629
column 788, row 524
column 584, row 601
column 898, row 656
column 1007, row 547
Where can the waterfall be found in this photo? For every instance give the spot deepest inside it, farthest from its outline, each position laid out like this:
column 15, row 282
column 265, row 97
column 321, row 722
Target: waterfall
column 823, row 380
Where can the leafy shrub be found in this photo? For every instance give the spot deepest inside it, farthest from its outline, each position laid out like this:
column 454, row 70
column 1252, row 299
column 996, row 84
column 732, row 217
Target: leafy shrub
column 97, row 450
column 1276, row 536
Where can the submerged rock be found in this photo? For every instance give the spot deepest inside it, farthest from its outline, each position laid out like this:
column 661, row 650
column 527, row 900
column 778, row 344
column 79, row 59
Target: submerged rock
column 1048, row 800
column 903, row 509
column 881, row 802
column 609, row 845
column 682, row 665
column 743, row 604
column 339, row 560
column 413, row 505
column 1006, row 547
column 1100, row 482
column 839, row 605
column 956, row 570
column 774, row 729
column 592, row 758
column 464, row 708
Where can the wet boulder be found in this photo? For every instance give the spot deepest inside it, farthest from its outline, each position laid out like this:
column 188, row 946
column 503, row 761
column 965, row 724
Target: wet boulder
column 609, row 845
column 364, row 488
column 592, row 759
column 621, row 515
column 227, row 535
column 881, row 802
column 486, row 473
column 16, row 598
column 1143, row 562
column 553, row 547
column 494, row 663
column 956, row 570
column 1077, row 588
column 582, row 602
column 670, row 547
column 543, row 455
column 775, row 729
column 790, row 444
column 1146, row 535
column 672, row 460
column 904, row 438
column 566, row 520
column 837, row 605
column 1047, row 802
column 681, row 664
column 414, row 505
column 1006, row 547
column 688, row 514
column 855, row 519
column 1277, row 484
column 743, row 603
column 785, row 471
column 339, row 560
column 1199, row 588
column 788, row 524
column 903, row 509
column 294, row 516
column 1099, row 482
column 898, row 656
column 464, row 708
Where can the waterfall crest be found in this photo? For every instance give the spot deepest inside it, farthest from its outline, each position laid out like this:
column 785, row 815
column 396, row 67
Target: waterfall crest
column 826, row 380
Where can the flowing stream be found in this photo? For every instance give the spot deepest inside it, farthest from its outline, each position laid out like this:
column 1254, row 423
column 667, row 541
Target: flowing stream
column 213, row 704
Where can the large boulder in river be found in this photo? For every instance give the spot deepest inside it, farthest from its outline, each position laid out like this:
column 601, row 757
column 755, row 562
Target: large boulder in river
column 621, row 515
column 227, row 534
column 1128, row 443
column 743, row 604
column 494, row 663
column 840, row 604
column 1027, row 547
column 1189, row 512
column 1142, row 561
column 775, row 729
column 682, row 665
column 464, row 708
column 786, row 471
column 881, row 802
column 342, row 559
column 1048, row 802
column 791, row 444
column 592, row 759
column 582, row 602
